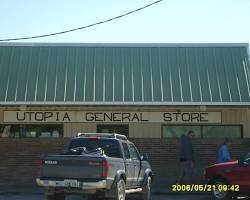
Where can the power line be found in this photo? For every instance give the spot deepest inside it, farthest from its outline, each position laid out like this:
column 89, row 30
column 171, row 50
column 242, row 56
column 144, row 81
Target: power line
column 83, row 27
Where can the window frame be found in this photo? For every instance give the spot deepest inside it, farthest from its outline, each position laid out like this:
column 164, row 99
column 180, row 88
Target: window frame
column 162, row 126
column 137, row 153
column 202, row 125
column 124, row 143
column 238, row 125
column 27, row 126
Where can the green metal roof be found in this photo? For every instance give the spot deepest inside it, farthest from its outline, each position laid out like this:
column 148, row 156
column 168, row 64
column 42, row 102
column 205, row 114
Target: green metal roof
column 131, row 74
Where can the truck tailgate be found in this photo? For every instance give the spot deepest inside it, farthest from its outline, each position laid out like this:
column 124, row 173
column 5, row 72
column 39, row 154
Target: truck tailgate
column 73, row 166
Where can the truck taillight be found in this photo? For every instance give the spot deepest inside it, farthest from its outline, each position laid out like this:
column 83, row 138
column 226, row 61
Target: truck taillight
column 105, row 168
column 40, row 167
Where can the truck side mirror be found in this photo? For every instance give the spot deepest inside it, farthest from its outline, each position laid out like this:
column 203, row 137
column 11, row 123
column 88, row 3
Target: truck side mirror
column 144, row 157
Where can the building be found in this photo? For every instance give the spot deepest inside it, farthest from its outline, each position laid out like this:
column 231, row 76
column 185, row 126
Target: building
column 152, row 93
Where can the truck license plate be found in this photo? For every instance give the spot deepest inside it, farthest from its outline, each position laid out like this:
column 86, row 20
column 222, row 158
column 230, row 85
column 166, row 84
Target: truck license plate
column 71, row 183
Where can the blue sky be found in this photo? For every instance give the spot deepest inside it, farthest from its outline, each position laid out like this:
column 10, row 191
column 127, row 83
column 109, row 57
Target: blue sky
column 171, row 21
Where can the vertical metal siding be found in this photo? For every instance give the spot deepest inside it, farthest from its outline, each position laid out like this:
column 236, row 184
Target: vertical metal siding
column 166, row 75
column 124, row 74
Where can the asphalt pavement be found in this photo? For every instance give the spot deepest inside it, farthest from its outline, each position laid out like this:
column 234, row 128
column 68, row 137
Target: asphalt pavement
column 38, row 194
column 25, row 196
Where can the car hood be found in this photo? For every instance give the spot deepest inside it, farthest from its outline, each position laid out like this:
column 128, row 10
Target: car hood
column 225, row 164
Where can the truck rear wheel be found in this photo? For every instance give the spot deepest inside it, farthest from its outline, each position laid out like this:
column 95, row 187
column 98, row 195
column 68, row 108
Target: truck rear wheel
column 120, row 193
column 146, row 190
column 58, row 196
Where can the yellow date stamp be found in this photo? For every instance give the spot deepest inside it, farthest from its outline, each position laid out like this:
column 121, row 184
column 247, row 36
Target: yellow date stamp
column 204, row 188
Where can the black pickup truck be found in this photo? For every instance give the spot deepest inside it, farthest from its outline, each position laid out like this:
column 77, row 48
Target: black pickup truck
column 99, row 166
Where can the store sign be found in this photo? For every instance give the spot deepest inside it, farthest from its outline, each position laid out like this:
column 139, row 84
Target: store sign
column 114, row 117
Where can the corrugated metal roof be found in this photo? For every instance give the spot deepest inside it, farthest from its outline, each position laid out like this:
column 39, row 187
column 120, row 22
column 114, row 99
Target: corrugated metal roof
column 149, row 74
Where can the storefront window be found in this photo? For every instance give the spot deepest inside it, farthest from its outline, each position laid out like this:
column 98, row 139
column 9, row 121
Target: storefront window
column 31, row 130
column 222, row 131
column 178, row 131
column 203, row 131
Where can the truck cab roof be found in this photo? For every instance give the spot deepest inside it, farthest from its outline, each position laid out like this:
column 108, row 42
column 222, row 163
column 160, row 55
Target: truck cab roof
column 103, row 135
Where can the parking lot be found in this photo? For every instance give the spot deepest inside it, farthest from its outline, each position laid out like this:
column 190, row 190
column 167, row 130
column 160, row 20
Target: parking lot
column 27, row 194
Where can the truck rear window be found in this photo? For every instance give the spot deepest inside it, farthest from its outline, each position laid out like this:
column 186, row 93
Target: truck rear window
column 111, row 148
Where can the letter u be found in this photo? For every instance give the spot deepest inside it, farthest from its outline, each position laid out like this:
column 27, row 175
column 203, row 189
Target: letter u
column 19, row 118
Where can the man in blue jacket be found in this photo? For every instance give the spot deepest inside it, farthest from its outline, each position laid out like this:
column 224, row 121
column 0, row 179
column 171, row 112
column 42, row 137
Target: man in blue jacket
column 224, row 153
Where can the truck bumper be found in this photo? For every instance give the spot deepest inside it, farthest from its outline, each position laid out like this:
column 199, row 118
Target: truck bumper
column 80, row 185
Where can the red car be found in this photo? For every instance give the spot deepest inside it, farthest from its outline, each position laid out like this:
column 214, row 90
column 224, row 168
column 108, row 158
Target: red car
column 229, row 179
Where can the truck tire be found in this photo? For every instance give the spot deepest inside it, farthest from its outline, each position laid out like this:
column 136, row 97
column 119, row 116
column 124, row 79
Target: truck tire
column 120, row 193
column 58, row 196
column 218, row 194
column 146, row 190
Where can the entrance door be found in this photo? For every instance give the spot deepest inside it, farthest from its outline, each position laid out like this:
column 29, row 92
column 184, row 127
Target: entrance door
column 113, row 128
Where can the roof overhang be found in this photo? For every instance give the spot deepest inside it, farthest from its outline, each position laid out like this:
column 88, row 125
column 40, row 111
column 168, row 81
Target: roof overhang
column 68, row 103
column 38, row 44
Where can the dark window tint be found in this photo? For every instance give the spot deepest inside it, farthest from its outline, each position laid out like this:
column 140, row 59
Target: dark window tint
column 126, row 151
column 111, row 148
column 203, row 131
column 222, row 131
column 178, row 131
